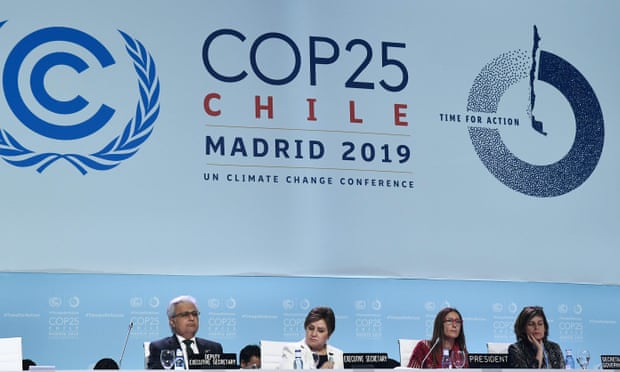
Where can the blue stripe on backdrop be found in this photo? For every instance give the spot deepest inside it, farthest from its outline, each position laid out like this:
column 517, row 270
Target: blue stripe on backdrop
column 72, row 320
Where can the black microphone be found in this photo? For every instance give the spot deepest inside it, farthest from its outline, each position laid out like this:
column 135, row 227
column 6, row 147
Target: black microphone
column 120, row 361
column 429, row 352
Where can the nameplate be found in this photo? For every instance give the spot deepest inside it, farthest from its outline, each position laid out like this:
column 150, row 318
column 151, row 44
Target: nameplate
column 610, row 361
column 488, row 360
column 214, row 361
column 365, row 360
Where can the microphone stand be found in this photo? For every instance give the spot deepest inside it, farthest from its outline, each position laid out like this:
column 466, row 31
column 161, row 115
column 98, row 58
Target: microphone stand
column 429, row 352
column 120, row 361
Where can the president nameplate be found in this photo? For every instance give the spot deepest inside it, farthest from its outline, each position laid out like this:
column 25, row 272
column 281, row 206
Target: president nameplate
column 488, row 360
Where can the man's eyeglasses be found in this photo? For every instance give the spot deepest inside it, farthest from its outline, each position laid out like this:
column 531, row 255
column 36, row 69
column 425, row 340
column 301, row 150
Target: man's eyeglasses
column 453, row 321
column 187, row 314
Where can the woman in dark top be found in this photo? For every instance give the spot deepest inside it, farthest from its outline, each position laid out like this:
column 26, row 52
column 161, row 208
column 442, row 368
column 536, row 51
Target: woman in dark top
column 533, row 349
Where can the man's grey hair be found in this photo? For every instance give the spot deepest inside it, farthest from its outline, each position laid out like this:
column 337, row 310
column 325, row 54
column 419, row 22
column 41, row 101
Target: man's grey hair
column 177, row 300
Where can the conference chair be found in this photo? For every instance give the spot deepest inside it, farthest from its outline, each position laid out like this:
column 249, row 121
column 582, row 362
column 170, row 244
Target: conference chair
column 406, row 346
column 11, row 354
column 271, row 353
column 497, row 347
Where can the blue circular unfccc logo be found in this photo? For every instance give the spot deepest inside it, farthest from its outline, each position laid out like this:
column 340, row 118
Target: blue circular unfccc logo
column 119, row 148
column 10, row 79
column 577, row 165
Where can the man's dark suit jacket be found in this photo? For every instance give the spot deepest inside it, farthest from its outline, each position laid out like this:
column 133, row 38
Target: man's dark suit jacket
column 155, row 348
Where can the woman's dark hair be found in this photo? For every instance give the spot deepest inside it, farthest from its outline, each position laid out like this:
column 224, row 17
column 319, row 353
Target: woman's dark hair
column 106, row 363
column 325, row 313
column 524, row 317
column 438, row 333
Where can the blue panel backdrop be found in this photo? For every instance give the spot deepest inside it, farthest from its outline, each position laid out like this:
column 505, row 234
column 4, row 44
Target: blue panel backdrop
column 72, row 320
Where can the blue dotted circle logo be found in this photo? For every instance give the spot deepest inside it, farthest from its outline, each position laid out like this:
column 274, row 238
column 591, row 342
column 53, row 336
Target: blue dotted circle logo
column 568, row 172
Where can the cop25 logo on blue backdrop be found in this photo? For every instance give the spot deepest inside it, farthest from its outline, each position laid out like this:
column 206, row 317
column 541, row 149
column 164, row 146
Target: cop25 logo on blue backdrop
column 567, row 173
column 123, row 146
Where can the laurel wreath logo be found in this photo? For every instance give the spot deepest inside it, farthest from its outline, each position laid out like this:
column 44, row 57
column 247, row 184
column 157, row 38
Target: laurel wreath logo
column 123, row 146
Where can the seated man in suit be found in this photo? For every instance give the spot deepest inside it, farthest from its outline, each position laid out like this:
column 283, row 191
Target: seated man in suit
column 183, row 317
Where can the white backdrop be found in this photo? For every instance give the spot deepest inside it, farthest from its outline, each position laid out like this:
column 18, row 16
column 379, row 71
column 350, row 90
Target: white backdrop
column 155, row 212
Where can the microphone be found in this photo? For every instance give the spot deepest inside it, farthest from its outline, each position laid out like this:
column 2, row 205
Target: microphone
column 429, row 352
column 120, row 360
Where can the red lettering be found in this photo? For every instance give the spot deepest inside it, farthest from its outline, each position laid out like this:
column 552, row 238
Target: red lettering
column 268, row 107
column 398, row 114
column 352, row 117
column 207, row 104
column 311, row 115
column 211, row 100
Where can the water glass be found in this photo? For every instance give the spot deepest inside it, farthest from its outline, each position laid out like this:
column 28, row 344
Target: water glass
column 458, row 358
column 584, row 359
